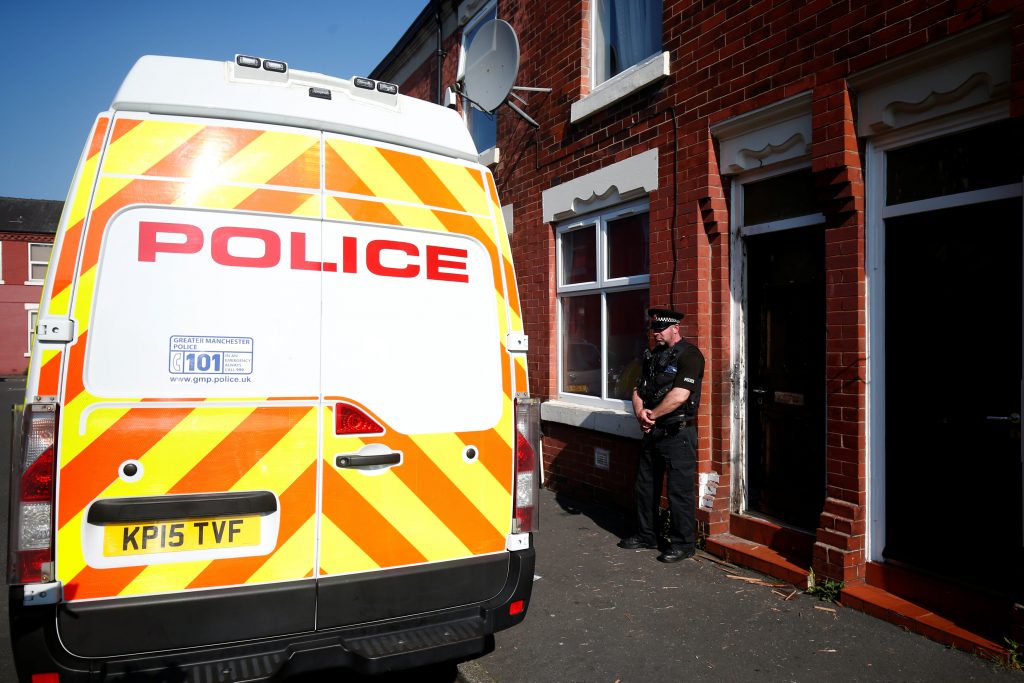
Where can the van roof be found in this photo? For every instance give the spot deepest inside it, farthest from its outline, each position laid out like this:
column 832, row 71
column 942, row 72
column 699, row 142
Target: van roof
column 232, row 90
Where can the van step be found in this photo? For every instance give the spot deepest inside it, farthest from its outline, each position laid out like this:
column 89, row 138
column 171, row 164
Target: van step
column 365, row 653
column 424, row 637
column 236, row 669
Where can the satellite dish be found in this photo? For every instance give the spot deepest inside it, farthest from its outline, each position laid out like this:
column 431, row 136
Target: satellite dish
column 492, row 64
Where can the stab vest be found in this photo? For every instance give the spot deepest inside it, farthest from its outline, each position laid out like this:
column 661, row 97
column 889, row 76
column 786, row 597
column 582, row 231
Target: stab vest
column 657, row 377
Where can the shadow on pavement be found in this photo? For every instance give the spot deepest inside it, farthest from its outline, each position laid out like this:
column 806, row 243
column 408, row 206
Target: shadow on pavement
column 438, row 673
column 611, row 520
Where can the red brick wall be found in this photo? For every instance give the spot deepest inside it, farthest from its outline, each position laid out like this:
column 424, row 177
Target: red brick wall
column 14, row 294
column 727, row 58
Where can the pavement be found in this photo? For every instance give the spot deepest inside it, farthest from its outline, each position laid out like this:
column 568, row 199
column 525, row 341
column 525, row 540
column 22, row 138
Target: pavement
column 600, row 613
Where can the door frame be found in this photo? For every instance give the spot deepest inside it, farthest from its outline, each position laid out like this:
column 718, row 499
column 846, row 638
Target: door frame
column 876, row 212
column 738, row 289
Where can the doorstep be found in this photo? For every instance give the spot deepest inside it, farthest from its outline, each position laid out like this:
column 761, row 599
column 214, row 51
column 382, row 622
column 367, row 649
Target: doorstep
column 870, row 599
column 918, row 619
column 756, row 556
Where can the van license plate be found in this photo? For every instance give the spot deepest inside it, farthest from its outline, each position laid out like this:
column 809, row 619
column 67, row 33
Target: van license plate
column 176, row 536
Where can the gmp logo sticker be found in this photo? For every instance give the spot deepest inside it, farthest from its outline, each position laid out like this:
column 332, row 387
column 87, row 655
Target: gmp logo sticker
column 210, row 358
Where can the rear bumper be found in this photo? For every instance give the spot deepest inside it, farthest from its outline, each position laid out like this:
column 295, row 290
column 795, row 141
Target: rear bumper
column 457, row 633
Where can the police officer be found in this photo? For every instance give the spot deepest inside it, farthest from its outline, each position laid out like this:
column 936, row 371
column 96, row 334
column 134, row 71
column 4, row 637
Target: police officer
column 665, row 401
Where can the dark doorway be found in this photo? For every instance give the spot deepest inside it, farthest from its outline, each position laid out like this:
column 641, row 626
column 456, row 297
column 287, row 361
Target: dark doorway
column 786, row 383
column 953, row 393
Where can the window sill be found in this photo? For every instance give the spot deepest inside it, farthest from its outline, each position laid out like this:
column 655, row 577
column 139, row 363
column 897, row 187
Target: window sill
column 607, row 420
column 490, row 157
column 621, row 86
column 36, row 283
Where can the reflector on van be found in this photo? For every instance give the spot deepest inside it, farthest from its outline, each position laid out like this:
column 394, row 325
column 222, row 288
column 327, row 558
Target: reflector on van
column 350, row 420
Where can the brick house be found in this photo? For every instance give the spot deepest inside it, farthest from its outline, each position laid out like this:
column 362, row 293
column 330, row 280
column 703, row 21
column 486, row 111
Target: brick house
column 27, row 228
column 832, row 193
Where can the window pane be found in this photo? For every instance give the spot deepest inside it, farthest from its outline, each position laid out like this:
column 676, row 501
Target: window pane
column 962, row 162
column 627, row 246
column 783, row 196
column 37, row 271
column 579, row 256
column 581, row 344
column 625, row 32
column 483, row 127
column 33, row 317
column 39, row 252
column 627, row 339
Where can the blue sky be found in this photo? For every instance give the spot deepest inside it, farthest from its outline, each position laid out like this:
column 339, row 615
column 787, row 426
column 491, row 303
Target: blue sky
column 66, row 58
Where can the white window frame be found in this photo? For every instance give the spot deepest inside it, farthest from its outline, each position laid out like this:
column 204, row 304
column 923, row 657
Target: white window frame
column 876, row 213
column 596, row 41
column 489, row 11
column 602, row 285
column 623, row 84
column 1, row 262
column 28, row 255
column 738, row 285
column 32, row 315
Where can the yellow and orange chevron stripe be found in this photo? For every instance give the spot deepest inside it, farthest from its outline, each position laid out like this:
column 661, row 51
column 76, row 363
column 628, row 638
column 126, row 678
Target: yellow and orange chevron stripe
column 271, row 443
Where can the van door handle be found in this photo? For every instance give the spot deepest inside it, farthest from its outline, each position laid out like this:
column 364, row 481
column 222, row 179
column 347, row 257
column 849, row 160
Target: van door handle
column 356, row 461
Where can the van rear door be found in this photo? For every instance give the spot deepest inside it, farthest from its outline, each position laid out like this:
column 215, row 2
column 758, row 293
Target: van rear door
column 189, row 428
column 417, row 431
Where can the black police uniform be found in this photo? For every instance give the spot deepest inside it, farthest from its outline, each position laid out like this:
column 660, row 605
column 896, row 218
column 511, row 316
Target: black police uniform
column 670, row 447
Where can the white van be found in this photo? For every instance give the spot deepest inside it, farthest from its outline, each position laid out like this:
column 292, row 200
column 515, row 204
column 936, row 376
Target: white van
column 277, row 415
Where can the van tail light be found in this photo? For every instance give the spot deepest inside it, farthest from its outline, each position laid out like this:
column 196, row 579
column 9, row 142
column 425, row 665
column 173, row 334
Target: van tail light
column 526, row 494
column 33, row 470
column 351, row 420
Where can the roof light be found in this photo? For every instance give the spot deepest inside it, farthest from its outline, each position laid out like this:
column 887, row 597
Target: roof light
column 364, row 83
column 321, row 93
column 275, row 66
column 388, row 88
column 251, row 62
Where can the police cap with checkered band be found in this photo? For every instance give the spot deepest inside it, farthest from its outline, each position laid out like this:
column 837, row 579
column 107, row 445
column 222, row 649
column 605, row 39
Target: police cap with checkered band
column 662, row 318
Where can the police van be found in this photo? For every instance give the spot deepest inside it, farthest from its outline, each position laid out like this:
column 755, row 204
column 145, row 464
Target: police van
column 277, row 416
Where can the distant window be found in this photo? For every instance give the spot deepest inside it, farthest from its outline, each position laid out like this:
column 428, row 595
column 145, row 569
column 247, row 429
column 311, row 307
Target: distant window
column 626, row 32
column 483, row 127
column 603, row 278
column 38, row 258
column 32, row 311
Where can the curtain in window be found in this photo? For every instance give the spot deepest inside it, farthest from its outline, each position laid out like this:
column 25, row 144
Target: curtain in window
column 626, row 32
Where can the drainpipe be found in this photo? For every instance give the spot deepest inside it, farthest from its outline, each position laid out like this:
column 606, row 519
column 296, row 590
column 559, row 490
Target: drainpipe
column 440, row 53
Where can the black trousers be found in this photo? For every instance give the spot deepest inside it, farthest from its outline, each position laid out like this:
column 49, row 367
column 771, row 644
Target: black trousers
column 673, row 453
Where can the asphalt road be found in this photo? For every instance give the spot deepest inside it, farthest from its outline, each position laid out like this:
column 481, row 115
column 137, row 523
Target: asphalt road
column 603, row 614
column 599, row 613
